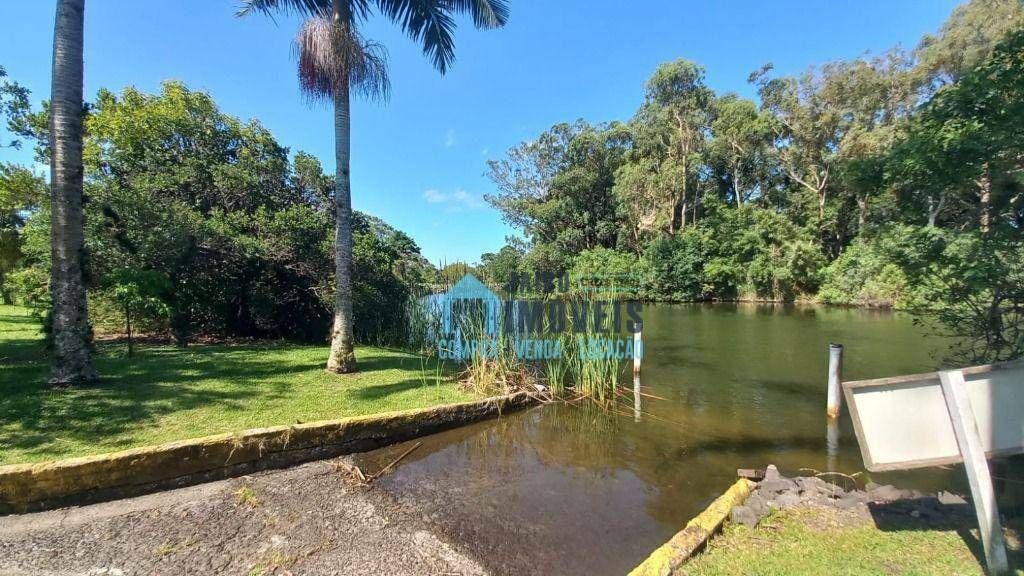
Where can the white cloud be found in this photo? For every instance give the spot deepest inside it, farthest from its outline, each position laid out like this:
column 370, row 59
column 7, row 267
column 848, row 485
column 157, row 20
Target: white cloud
column 457, row 201
column 449, row 138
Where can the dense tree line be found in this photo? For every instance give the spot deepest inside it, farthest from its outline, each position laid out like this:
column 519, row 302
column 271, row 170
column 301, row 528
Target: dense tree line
column 334, row 60
column 200, row 224
column 844, row 184
column 757, row 199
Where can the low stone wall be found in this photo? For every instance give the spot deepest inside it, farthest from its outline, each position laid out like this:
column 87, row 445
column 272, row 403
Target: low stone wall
column 30, row 487
column 671, row 555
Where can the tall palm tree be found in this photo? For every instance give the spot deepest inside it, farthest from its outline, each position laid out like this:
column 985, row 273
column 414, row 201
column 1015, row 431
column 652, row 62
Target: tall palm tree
column 334, row 59
column 71, row 362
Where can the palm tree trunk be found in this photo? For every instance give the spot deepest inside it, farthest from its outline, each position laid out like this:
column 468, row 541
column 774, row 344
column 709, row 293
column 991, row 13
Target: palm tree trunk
column 343, row 358
column 70, row 362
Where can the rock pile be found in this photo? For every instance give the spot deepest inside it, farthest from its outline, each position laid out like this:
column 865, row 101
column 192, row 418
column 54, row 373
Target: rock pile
column 779, row 492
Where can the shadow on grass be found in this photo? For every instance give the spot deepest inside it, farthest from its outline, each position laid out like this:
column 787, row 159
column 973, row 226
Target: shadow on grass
column 161, row 384
column 134, row 395
column 381, row 391
column 397, row 360
column 933, row 515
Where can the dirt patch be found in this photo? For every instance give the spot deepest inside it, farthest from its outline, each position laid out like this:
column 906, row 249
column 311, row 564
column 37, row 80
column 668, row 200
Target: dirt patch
column 304, row 520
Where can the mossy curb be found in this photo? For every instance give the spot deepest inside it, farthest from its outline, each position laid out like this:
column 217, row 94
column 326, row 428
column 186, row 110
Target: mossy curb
column 29, row 487
column 672, row 554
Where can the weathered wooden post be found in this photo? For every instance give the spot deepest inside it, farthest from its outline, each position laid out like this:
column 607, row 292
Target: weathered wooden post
column 638, row 346
column 835, row 379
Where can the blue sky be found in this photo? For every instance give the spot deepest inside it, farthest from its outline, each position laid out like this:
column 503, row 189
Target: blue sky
column 419, row 160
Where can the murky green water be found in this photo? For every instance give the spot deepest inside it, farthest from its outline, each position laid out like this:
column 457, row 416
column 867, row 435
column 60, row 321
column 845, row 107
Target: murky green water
column 563, row 489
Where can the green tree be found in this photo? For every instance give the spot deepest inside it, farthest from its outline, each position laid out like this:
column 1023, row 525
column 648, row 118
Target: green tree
column 965, row 40
column 742, row 139
column 139, row 292
column 14, row 105
column 560, row 189
column 965, row 145
column 21, row 192
column 671, row 131
column 499, row 268
column 70, row 360
column 333, row 60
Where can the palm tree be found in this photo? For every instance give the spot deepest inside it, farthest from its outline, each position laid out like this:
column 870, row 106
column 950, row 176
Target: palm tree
column 71, row 362
column 334, row 59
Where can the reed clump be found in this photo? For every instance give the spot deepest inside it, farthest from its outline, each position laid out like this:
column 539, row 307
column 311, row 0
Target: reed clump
column 489, row 359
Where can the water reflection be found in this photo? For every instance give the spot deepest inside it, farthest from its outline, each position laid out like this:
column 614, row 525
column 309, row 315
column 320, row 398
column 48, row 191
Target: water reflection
column 571, row 489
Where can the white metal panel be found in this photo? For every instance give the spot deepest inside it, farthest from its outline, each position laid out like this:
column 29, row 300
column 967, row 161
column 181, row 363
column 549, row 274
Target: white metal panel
column 998, row 401
column 904, row 423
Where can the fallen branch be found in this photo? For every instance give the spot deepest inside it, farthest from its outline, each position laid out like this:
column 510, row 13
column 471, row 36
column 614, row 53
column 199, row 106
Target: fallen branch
column 354, row 476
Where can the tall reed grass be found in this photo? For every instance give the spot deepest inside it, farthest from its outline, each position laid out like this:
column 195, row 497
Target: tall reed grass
column 580, row 370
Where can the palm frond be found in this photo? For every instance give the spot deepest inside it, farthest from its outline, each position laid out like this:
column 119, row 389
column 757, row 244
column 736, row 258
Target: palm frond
column 334, row 57
column 485, row 13
column 269, row 7
column 430, row 23
column 427, row 22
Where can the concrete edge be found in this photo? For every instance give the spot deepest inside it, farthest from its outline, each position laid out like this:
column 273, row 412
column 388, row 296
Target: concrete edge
column 89, row 479
column 672, row 554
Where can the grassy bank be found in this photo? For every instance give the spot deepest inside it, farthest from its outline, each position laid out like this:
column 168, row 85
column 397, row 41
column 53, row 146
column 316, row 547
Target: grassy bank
column 165, row 393
column 811, row 541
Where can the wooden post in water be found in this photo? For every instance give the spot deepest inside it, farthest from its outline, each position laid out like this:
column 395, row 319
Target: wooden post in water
column 638, row 347
column 835, row 380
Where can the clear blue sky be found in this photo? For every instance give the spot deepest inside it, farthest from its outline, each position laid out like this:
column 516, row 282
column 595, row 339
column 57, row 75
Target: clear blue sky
column 419, row 160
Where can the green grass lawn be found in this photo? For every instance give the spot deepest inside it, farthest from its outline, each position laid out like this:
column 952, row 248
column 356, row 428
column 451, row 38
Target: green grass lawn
column 165, row 393
column 812, row 541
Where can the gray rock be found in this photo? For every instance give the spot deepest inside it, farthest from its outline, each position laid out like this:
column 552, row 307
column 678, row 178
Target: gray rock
column 833, row 491
column 812, row 487
column 778, row 485
column 811, row 493
column 950, row 499
column 788, row 500
column 745, row 516
column 847, row 502
column 772, row 473
column 758, row 504
column 887, row 493
column 858, row 494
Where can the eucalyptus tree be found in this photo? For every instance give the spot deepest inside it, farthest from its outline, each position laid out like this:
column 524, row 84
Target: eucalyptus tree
column 70, row 362
column 742, row 136
column 669, row 141
column 334, row 60
column 965, row 40
column 678, row 105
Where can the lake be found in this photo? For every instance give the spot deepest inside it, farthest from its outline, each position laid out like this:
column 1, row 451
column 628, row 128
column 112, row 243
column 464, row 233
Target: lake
column 568, row 489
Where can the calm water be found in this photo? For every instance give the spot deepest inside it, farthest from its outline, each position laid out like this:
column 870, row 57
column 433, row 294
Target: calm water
column 563, row 489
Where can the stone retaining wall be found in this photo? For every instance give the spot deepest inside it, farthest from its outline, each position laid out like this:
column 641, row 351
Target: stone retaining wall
column 29, row 487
